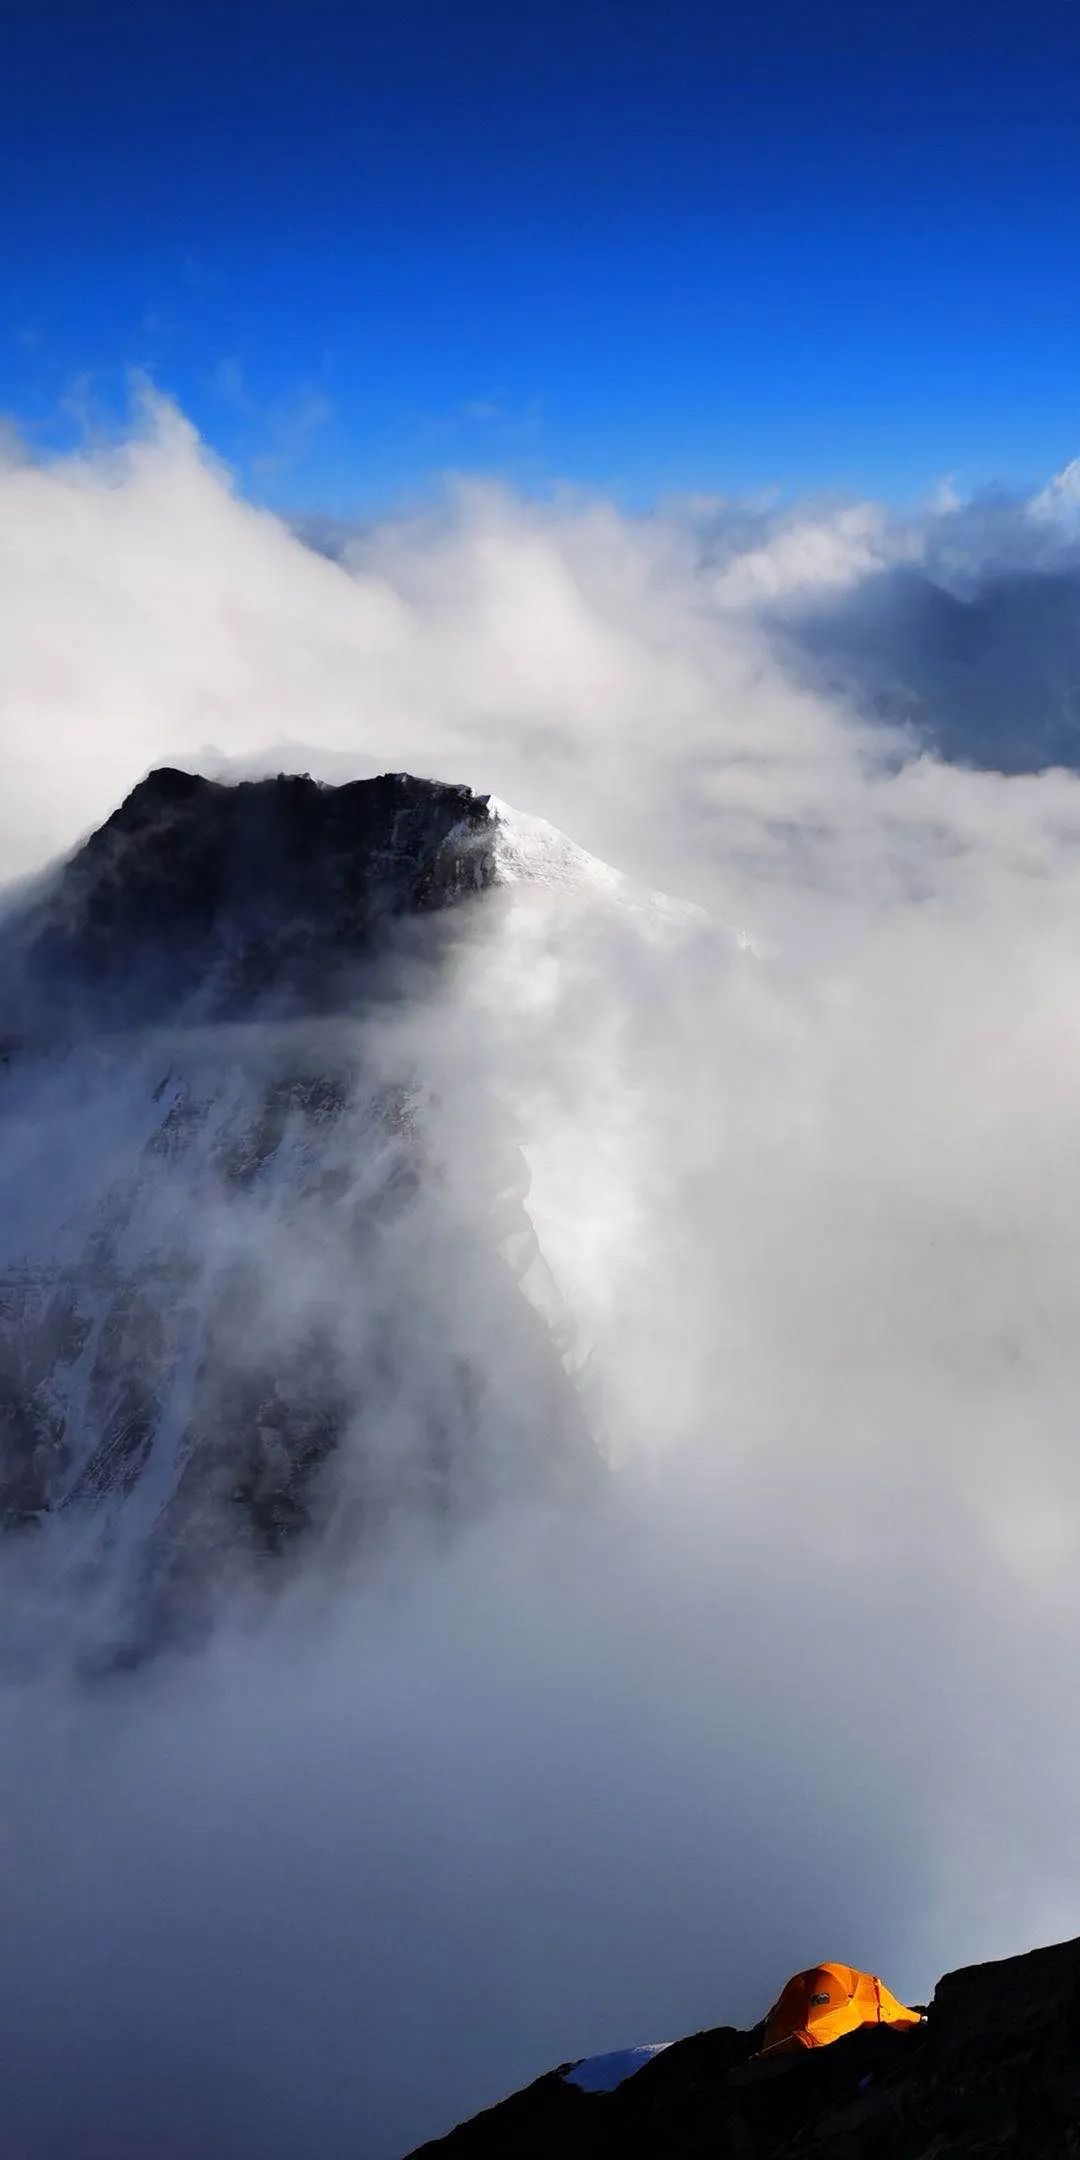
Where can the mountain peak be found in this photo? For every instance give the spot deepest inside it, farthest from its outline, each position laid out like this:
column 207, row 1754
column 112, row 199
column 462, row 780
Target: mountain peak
column 241, row 1300
column 242, row 889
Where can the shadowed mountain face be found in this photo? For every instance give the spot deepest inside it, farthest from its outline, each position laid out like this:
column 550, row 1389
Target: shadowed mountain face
column 241, row 1297
column 988, row 676
column 233, row 892
column 993, row 2075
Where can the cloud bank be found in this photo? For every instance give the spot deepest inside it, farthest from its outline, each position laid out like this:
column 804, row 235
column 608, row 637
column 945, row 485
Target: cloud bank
column 807, row 1176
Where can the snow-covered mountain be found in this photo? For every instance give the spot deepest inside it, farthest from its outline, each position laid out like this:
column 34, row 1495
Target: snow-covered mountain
column 243, row 1302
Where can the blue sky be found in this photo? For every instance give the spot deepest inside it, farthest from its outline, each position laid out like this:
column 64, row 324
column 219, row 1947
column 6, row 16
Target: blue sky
column 652, row 247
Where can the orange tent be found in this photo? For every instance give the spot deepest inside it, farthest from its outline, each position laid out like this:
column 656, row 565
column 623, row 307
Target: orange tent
column 821, row 2005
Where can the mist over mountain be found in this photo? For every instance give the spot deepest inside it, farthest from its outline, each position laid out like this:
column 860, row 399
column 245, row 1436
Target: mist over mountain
column 575, row 1391
column 231, row 1255
column 986, row 671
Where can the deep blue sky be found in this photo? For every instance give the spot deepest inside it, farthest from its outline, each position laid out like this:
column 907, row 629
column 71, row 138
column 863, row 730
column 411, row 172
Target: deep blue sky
column 649, row 244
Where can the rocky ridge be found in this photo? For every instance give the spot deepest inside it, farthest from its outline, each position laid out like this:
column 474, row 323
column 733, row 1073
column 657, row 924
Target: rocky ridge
column 994, row 2074
column 229, row 1257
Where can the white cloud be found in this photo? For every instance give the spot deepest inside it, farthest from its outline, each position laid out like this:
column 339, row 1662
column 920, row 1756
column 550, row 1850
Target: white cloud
column 803, row 1688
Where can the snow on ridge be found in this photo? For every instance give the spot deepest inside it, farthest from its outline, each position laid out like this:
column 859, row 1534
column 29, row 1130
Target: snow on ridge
column 602, row 2073
column 529, row 851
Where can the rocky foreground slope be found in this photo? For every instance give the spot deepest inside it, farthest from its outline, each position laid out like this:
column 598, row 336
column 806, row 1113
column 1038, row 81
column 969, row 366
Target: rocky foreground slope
column 994, row 2074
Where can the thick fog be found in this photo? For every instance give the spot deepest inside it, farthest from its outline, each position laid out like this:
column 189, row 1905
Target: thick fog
column 798, row 1681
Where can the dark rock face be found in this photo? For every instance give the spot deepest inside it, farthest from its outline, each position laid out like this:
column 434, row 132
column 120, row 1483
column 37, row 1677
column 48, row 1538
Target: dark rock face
column 240, row 1299
column 269, row 887
column 993, row 2075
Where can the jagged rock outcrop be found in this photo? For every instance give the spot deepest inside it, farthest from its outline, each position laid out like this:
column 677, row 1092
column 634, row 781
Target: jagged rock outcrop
column 230, row 1255
column 994, row 2074
column 229, row 892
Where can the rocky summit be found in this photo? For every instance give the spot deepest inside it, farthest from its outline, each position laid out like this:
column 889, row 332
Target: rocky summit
column 993, row 2074
column 232, row 1258
column 232, row 891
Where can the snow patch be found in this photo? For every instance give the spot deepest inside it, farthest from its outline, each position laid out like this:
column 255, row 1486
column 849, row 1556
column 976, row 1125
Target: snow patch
column 602, row 2073
column 528, row 851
